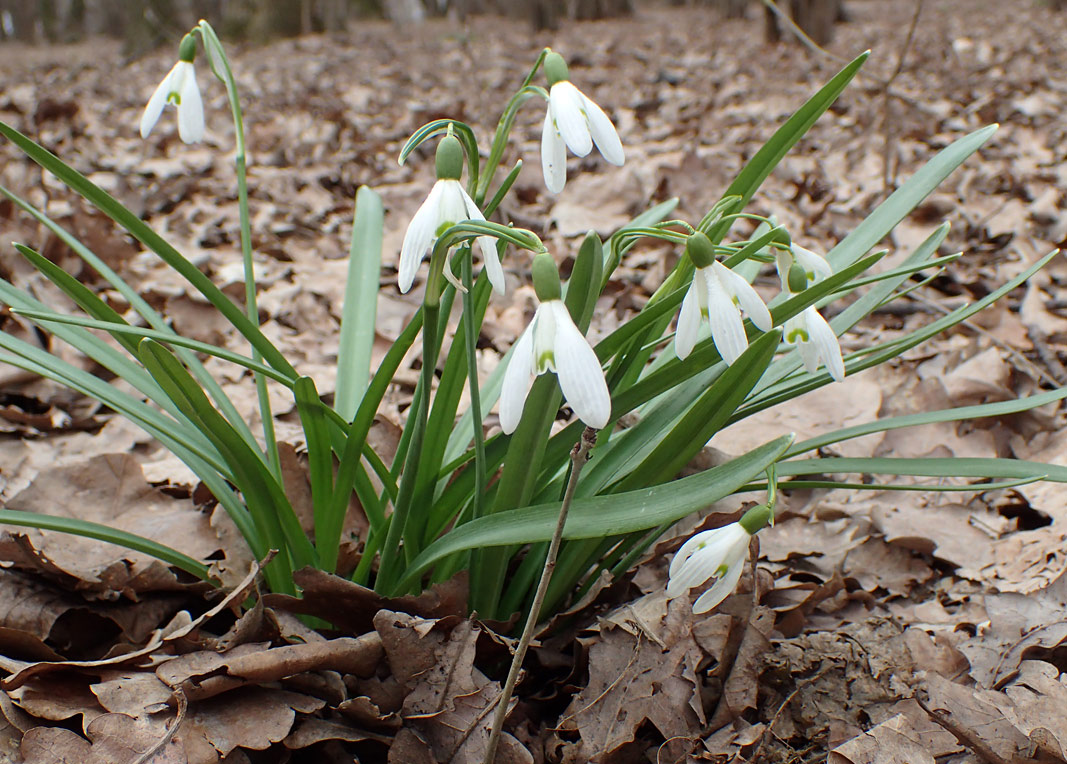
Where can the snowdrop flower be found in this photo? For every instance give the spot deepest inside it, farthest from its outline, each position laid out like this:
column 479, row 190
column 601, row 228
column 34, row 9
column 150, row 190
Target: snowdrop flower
column 718, row 554
column 179, row 88
column 801, row 262
column 718, row 294
column 572, row 121
column 808, row 330
column 553, row 343
column 448, row 204
column 816, row 341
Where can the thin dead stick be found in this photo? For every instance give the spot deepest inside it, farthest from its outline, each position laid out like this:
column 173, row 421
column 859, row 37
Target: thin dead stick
column 814, row 47
column 579, row 456
column 888, row 174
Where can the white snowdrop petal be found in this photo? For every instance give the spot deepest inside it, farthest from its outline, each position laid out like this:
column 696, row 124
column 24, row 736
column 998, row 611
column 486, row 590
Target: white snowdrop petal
column 491, row 263
column 452, row 205
column 156, row 103
column 603, row 133
column 567, row 106
column 720, row 591
column 473, row 213
column 580, row 375
column 809, row 354
column 450, row 277
column 518, row 378
column 553, row 156
column 825, row 343
column 702, row 556
column 727, row 329
column 685, row 338
column 418, row 238
column 812, row 262
column 191, row 108
column 685, row 552
column 748, row 297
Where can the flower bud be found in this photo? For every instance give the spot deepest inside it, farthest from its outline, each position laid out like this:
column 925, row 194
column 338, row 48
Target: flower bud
column 797, row 279
column 187, row 49
column 700, row 250
column 756, row 518
column 546, row 277
column 449, row 158
column 555, row 68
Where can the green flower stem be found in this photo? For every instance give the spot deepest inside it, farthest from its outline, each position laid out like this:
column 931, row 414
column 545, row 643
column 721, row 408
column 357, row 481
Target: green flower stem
column 579, row 456
column 216, row 55
column 470, row 336
column 392, row 555
column 500, row 137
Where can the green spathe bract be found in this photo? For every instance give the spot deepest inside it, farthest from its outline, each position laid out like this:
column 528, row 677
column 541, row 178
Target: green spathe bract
column 457, row 494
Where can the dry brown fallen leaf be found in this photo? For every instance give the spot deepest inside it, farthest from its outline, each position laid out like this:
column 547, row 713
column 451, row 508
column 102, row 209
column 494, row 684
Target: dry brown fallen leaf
column 448, row 706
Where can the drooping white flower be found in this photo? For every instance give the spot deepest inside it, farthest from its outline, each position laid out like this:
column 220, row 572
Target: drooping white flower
column 814, row 266
column 572, row 121
column 816, row 341
column 447, row 204
column 808, row 330
column 718, row 554
column 179, row 88
column 553, row 343
column 717, row 294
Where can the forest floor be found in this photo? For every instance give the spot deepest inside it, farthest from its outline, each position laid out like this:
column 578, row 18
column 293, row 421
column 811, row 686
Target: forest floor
column 879, row 626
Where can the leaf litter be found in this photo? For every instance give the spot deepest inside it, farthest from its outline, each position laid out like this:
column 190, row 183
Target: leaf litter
column 876, row 627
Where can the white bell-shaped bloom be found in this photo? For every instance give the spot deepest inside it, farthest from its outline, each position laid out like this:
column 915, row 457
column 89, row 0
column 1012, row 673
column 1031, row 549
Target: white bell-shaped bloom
column 815, row 266
column 816, row 341
column 179, row 88
column 574, row 122
column 719, row 294
column 447, row 205
column 553, row 343
column 718, row 554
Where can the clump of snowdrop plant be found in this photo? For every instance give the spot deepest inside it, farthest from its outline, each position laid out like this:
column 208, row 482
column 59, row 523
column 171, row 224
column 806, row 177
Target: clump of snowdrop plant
column 480, row 483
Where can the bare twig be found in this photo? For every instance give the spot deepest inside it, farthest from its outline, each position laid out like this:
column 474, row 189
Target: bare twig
column 579, row 456
column 888, row 176
column 814, row 47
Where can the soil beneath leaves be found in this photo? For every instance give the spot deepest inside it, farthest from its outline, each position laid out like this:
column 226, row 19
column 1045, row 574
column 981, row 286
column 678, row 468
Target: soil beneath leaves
column 875, row 626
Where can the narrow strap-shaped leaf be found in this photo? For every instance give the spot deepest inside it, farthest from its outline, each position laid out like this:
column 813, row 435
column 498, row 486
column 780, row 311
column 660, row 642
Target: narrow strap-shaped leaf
column 767, row 158
column 599, row 516
column 320, row 469
column 955, row 466
column 101, row 532
column 142, row 308
column 902, row 201
column 126, row 331
column 144, row 234
column 202, row 459
column 82, row 296
column 709, row 414
column 791, row 388
column 959, row 414
column 265, row 498
column 360, row 312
